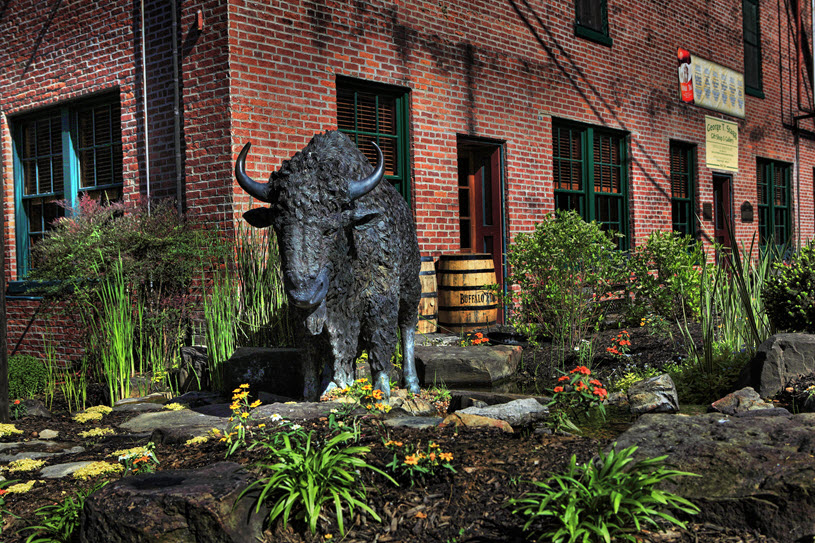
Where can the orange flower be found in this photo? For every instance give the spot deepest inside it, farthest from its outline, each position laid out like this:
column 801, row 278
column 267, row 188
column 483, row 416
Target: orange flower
column 377, row 394
column 16, row 402
column 583, row 370
column 433, row 456
column 479, row 335
column 411, row 460
column 595, row 382
column 446, row 456
column 563, row 378
column 558, row 389
column 3, row 492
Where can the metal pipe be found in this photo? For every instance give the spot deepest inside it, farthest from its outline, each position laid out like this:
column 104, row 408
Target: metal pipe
column 144, row 105
column 179, row 175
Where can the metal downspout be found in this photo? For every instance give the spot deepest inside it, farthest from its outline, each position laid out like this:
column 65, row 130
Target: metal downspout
column 179, row 175
column 144, row 105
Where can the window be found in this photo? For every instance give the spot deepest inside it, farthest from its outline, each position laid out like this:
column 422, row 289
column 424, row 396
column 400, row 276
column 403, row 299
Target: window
column 58, row 155
column 752, row 49
column 590, row 175
column 591, row 20
column 370, row 112
column 683, row 205
column 774, row 209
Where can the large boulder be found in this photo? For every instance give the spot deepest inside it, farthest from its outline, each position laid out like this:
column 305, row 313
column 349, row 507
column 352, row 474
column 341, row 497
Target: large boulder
column 175, row 506
column 757, row 468
column 477, row 366
column 740, row 401
column 275, row 370
column 779, row 360
column 653, row 395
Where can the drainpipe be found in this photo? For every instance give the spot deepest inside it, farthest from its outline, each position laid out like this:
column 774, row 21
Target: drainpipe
column 144, row 105
column 179, row 175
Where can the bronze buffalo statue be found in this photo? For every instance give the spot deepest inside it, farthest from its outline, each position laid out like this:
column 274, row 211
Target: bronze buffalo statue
column 350, row 260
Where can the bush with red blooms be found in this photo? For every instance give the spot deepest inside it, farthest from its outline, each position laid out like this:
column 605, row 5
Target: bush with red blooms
column 576, row 394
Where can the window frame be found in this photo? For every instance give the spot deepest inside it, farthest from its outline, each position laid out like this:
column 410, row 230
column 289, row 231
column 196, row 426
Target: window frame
column 71, row 166
column 587, row 195
column 753, row 90
column 767, row 211
column 600, row 36
column 401, row 96
column 689, row 202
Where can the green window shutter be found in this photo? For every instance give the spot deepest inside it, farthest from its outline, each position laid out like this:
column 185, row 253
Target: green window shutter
column 683, row 204
column 774, row 202
column 368, row 112
column 752, row 48
column 591, row 20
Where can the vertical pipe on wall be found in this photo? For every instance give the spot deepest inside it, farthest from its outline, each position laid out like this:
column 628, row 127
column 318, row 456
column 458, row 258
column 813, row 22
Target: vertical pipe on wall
column 179, row 175
column 144, row 105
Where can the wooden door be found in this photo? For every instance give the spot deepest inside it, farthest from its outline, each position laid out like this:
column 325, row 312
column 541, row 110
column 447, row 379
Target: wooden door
column 722, row 211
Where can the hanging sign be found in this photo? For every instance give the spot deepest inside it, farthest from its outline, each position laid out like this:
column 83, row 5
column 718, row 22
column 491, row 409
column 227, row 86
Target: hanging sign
column 707, row 84
column 721, row 144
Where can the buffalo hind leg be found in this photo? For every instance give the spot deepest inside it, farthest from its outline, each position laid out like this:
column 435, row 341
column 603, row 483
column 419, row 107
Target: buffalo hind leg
column 408, row 359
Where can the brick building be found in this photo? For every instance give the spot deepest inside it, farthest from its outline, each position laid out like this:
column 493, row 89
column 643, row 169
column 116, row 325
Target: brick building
column 491, row 114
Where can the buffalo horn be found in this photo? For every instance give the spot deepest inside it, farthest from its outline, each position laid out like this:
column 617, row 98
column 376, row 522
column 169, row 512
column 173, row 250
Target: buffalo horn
column 364, row 186
column 255, row 189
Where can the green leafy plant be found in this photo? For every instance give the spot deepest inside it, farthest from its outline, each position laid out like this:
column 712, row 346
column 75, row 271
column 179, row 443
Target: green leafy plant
column 27, row 376
column 361, row 393
column 305, row 475
column 59, row 522
column 656, row 325
column 140, row 460
column 574, row 397
column 665, row 276
column 417, row 464
column 611, row 497
column 17, row 409
column 789, row 295
column 564, row 270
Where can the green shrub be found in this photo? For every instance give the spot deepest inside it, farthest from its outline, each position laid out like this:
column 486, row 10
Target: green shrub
column 665, row 277
column 60, row 522
column 612, row 497
column 563, row 269
column 789, row 295
column 697, row 386
column 27, row 376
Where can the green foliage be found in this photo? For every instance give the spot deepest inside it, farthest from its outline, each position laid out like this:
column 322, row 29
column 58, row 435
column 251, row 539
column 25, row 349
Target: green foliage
column 703, row 386
column 59, row 522
column 789, row 296
column 612, row 497
column 563, row 269
column 665, row 276
column 304, row 475
column 3, row 510
column 140, row 461
column 154, row 253
column 27, row 376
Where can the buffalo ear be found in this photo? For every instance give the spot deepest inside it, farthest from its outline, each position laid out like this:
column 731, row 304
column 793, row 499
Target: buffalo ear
column 363, row 218
column 260, row 217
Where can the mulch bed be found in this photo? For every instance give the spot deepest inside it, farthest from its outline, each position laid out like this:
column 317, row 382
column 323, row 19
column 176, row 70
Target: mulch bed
column 468, row 506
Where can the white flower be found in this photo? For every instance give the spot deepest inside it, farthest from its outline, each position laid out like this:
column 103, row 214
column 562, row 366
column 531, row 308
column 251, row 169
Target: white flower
column 295, row 426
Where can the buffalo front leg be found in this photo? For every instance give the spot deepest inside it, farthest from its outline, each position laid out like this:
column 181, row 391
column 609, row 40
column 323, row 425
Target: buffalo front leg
column 408, row 360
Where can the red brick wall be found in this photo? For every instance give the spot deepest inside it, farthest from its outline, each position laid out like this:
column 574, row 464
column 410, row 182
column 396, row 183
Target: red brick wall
column 503, row 71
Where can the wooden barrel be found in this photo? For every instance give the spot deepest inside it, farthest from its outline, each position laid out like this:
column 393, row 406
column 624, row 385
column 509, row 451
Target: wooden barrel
column 464, row 305
column 429, row 303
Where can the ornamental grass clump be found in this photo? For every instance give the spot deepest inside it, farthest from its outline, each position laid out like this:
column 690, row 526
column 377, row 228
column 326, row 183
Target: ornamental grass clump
column 60, row 522
column 611, row 498
column 304, row 475
column 575, row 396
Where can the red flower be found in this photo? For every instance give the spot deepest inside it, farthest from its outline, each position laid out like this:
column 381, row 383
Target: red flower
column 558, row 389
column 3, row 492
column 16, row 402
column 595, row 382
column 563, row 378
column 582, row 370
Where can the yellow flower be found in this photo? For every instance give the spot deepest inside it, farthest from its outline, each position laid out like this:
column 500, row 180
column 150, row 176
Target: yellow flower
column 236, row 391
column 244, row 415
column 261, row 426
column 244, row 385
column 432, row 445
column 411, row 460
column 255, row 404
column 446, row 456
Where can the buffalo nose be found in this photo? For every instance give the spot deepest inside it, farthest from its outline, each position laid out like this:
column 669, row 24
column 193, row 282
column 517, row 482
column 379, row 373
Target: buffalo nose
column 311, row 293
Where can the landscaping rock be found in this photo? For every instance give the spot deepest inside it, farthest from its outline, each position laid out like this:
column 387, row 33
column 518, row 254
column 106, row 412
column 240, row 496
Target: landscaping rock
column 466, row 366
column 517, row 413
column 58, row 471
column 35, row 408
column 138, row 408
column 475, row 421
column 653, row 395
column 779, row 360
column 175, row 506
column 461, row 399
column 156, row 398
column 194, row 367
column 200, row 398
column 36, row 448
column 420, row 423
column 757, row 468
column 413, row 405
column 740, row 401
column 185, row 419
column 275, row 370
column 49, row 434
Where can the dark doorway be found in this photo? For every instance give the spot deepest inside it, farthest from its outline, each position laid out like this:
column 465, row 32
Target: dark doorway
column 480, row 200
column 722, row 210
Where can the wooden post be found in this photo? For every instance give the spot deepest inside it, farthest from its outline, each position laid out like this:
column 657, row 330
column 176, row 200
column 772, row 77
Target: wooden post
column 4, row 407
